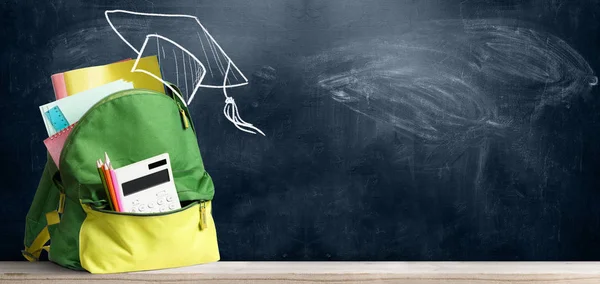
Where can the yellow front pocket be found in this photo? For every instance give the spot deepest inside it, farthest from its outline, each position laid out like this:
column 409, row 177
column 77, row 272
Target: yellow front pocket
column 121, row 242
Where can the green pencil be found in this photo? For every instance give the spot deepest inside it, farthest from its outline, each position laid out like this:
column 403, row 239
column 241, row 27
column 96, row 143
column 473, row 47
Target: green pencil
column 103, row 178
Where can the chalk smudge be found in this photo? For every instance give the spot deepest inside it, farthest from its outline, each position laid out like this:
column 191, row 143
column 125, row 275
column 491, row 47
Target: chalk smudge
column 447, row 79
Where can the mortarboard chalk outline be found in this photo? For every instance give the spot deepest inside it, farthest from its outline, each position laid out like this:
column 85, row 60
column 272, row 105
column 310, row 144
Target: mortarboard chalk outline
column 230, row 110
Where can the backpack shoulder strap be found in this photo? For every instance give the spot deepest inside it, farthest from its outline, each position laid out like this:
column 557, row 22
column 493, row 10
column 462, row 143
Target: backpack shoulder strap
column 44, row 211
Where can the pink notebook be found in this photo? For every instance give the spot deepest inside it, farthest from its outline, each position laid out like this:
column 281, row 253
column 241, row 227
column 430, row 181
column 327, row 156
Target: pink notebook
column 55, row 143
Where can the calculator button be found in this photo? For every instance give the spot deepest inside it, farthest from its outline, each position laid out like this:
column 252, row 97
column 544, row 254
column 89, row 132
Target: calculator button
column 151, row 204
column 134, row 209
column 135, row 202
column 142, row 208
column 169, row 198
column 163, row 209
column 172, row 206
column 160, row 201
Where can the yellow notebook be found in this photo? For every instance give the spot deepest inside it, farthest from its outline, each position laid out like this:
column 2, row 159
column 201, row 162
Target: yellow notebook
column 79, row 80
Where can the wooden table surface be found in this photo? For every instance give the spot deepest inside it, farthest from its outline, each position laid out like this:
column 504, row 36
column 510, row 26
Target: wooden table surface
column 320, row 272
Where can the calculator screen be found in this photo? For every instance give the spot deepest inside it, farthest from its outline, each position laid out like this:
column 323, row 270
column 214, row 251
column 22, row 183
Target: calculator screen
column 145, row 182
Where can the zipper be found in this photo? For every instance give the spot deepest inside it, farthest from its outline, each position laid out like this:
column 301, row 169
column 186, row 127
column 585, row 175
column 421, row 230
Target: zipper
column 183, row 111
column 184, row 118
column 201, row 202
column 203, row 224
column 202, row 205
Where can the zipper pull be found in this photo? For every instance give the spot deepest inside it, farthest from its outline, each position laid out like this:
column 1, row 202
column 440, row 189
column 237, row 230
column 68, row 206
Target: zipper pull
column 184, row 118
column 202, row 216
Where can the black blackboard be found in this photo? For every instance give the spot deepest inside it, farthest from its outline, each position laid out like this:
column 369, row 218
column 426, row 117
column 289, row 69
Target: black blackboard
column 395, row 130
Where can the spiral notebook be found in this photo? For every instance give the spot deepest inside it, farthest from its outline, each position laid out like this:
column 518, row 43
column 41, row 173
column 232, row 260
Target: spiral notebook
column 55, row 143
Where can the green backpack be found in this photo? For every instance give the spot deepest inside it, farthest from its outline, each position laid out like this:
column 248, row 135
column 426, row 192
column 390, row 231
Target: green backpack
column 70, row 206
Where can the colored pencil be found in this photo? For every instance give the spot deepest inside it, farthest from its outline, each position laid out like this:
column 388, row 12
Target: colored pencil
column 103, row 179
column 117, row 188
column 109, row 183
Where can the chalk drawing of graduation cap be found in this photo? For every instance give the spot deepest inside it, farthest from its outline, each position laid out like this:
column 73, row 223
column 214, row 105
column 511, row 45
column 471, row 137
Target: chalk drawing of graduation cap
column 231, row 75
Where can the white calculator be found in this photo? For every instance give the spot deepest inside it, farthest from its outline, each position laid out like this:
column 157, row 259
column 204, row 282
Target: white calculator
column 147, row 186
